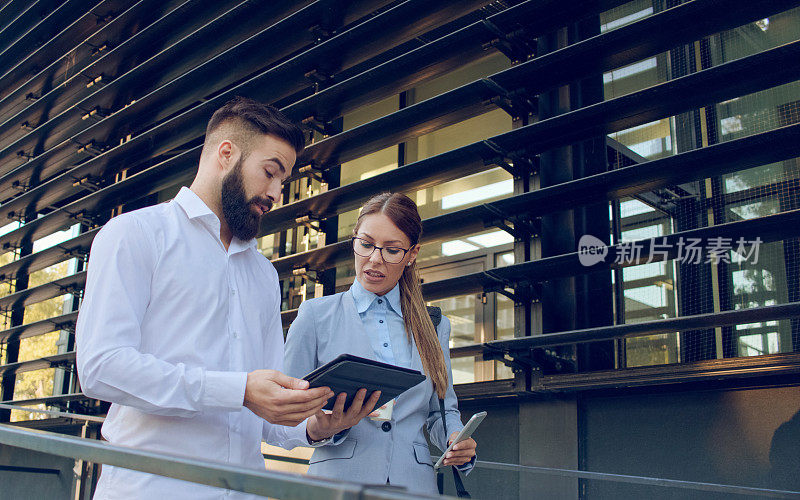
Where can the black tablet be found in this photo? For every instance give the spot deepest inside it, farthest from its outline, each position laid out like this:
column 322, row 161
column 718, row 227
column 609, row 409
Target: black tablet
column 348, row 373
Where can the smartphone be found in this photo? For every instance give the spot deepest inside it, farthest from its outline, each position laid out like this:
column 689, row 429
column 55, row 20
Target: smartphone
column 465, row 433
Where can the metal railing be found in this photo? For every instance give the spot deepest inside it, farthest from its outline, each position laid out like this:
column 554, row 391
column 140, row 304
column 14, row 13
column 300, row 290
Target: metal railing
column 294, row 486
column 265, row 483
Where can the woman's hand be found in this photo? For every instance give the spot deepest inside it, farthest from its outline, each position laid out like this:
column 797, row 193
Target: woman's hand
column 461, row 453
column 324, row 425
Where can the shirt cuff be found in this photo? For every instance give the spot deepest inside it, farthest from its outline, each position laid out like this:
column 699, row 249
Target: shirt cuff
column 467, row 467
column 224, row 389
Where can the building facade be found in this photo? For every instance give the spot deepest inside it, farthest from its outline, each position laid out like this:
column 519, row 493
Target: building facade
column 609, row 192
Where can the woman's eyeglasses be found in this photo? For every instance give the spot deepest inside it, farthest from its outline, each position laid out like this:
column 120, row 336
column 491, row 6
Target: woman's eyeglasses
column 390, row 255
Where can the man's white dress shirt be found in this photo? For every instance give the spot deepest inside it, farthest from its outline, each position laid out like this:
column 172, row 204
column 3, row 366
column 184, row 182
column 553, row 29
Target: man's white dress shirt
column 170, row 326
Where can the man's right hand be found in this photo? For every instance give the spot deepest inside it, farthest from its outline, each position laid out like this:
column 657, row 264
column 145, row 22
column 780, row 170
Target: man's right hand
column 281, row 399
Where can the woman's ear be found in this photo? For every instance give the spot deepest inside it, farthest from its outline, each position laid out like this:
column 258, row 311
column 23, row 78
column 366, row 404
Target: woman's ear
column 413, row 255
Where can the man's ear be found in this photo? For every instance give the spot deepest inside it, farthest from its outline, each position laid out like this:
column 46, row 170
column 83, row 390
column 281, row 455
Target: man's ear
column 226, row 152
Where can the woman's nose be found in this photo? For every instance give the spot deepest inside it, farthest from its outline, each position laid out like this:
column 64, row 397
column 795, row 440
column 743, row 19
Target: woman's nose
column 376, row 256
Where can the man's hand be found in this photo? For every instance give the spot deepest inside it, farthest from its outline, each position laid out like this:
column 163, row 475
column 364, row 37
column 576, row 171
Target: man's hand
column 461, row 453
column 324, row 425
column 281, row 399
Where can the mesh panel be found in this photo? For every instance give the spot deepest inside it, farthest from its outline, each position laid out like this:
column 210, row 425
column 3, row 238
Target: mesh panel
column 745, row 275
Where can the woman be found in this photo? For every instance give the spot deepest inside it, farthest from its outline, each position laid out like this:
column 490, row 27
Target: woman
column 383, row 317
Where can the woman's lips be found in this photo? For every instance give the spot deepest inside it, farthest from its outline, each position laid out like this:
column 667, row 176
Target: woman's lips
column 373, row 275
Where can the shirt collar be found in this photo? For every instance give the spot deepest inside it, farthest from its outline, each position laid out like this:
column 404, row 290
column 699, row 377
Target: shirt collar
column 364, row 298
column 193, row 205
column 196, row 208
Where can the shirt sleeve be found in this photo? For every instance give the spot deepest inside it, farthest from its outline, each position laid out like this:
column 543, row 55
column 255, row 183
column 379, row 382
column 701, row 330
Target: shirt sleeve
column 453, row 416
column 110, row 363
column 300, row 358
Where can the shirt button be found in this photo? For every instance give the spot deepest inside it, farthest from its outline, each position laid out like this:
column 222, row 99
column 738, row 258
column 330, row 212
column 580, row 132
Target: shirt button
column 233, row 292
column 236, row 335
column 385, row 344
column 380, row 301
column 386, row 426
column 380, row 321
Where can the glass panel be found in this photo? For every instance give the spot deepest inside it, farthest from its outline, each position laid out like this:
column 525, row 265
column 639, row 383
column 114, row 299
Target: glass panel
column 37, row 383
column 461, row 313
column 648, row 289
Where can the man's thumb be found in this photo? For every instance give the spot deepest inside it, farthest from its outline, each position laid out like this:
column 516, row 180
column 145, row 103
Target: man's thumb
column 288, row 382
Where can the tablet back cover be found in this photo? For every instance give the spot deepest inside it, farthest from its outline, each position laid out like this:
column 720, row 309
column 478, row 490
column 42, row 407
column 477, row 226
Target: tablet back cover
column 349, row 373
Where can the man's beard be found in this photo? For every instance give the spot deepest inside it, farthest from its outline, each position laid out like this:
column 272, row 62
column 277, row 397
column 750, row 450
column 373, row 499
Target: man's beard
column 237, row 209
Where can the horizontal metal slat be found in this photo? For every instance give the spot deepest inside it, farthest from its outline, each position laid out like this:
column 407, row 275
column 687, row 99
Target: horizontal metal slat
column 750, row 151
column 49, row 400
column 770, row 228
column 437, row 57
column 666, row 99
column 23, row 298
column 74, row 247
column 12, row 9
column 26, row 21
column 777, row 366
column 670, row 325
column 129, row 37
column 70, row 23
column 604, row 52
column 179, row 169
column 780, row 64
column 730, row 156
column 57, row 360
column 204, row 61
column 63, row 321
column 190, row 124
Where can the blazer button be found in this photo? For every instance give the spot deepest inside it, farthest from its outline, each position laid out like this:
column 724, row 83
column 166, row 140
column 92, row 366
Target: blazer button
column 386, row 426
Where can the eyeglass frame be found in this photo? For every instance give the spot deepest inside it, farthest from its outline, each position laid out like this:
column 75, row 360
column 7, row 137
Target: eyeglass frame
column 376, row 247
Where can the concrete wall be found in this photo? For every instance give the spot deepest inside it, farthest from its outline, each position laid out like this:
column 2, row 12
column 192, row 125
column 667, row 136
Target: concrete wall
column 748, row 437
column 34, row 486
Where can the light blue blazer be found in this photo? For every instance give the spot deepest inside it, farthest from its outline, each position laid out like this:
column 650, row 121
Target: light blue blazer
column 329, row 326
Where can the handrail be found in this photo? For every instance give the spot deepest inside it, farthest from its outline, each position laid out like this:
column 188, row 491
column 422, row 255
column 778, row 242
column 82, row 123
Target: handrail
column 295, row 486
column 648, row 481
column 221, row 475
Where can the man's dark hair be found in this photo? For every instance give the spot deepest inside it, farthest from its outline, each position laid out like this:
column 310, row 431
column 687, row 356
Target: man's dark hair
column 249, row 117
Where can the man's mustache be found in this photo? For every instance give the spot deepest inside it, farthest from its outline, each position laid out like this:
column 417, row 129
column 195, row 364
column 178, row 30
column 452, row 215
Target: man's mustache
column 267, row 202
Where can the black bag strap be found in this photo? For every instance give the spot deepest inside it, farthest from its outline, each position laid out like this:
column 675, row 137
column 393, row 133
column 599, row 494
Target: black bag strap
column 436, row 317
column 460, row 490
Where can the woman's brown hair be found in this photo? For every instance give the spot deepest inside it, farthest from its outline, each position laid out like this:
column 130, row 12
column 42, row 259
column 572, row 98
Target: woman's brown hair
column 402, row 211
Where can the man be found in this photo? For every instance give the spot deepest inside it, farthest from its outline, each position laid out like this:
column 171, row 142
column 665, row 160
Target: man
column 182, row 315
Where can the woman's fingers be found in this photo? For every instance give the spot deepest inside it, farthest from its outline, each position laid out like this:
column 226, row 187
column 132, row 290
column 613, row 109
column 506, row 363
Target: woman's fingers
column 358, row 402
column 369, row 405
column 338, row 406
column 461, row 452
column 467, row 445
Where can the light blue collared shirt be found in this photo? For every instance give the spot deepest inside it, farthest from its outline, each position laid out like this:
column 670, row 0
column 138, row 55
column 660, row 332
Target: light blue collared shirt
column 383, row 319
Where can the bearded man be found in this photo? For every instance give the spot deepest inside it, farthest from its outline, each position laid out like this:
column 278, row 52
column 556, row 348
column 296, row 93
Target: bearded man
column 180, row 327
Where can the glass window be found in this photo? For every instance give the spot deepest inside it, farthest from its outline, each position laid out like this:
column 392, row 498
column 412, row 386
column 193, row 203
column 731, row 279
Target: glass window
column 463, row 330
